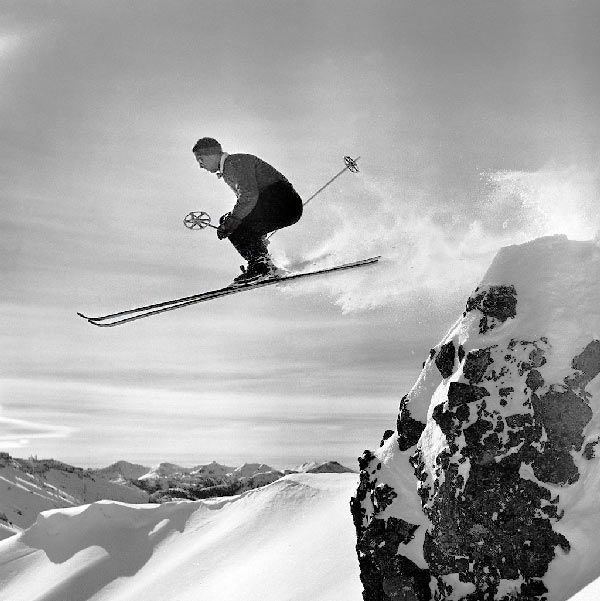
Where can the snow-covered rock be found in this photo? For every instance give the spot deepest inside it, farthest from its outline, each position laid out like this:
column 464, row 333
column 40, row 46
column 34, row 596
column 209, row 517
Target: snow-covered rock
column 488, row 487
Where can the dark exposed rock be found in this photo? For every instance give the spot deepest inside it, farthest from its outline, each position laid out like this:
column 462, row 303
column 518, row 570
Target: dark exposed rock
column 385, row 573
column 394, row 578
column 461, row 394
column 357, row 508
column 587, row 366
column 384, row 536
column 589, row 451
column 564, row 415
column 533, row 589
column 388, row 575
column 383, row 496
column 409, row 429
column 456, row 503
column 444, row 360
column 497, row 304
column 476, row 365
column 536, row 359
column 534, row 380
column 387, row 434
column 588, row 362
column 452, row 418
column 496, row 505
column 366, row 458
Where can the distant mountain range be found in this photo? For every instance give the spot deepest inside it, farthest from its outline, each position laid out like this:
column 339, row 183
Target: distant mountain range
column 29, row 486
column 168, row 481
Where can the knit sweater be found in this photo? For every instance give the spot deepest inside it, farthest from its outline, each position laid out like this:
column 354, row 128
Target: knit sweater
column 248, row 176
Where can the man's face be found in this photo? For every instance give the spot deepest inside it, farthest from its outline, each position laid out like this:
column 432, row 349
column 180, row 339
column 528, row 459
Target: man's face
column 210, row 162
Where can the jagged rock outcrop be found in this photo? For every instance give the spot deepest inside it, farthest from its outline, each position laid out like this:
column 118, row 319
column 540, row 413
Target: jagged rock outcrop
column 480, row 492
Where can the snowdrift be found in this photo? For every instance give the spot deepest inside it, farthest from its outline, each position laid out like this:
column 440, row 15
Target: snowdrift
column 292, row 540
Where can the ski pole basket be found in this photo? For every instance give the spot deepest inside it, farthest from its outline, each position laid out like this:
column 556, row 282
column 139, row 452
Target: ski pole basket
column 197, row 220
column 351, row 164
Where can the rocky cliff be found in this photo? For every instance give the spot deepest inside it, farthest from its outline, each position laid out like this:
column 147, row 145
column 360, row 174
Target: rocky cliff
column 487, row 487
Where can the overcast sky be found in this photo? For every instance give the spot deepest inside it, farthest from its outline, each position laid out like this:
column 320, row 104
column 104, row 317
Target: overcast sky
column 477, row 126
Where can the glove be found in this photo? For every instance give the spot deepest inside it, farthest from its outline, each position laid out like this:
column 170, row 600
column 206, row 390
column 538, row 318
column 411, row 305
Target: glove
column 227, row 225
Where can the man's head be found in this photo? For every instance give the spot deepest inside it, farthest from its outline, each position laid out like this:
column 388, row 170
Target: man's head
column 208, row 154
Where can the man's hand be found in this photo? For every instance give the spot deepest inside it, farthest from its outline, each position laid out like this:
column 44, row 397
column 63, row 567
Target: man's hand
column 227, row 225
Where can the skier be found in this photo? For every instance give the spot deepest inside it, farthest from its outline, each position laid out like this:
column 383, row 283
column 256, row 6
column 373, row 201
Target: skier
column 266, row 201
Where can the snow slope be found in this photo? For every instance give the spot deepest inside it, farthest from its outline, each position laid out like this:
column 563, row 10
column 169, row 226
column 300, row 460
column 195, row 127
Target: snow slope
column 7, row 530
column 290, row 541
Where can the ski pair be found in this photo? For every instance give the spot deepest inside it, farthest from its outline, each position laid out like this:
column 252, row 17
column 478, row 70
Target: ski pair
column 121, row 317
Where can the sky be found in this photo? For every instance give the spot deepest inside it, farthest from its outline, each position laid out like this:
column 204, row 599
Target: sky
column 476, row 124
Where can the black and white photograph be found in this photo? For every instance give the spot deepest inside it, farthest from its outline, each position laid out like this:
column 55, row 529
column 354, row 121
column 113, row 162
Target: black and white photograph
column 299, row 300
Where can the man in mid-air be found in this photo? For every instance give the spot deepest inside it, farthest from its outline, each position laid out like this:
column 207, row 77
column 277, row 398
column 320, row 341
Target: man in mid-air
column 266, row 202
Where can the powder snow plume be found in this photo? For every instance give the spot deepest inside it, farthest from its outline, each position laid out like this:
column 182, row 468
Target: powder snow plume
column 434, row 250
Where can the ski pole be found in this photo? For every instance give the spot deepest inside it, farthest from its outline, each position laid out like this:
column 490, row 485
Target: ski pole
column 350, row 165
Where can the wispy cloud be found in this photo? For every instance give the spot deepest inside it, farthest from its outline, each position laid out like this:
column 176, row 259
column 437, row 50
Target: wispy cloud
column 19, row 433
column 106, row 423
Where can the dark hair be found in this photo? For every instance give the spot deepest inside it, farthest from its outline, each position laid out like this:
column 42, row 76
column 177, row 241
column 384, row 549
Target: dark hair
column 209, row 144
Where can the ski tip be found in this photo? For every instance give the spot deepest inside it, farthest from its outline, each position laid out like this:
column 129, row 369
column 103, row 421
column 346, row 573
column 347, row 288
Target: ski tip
column 88, row 319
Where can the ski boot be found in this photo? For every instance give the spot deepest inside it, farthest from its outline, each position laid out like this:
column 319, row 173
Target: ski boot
column 257, row 271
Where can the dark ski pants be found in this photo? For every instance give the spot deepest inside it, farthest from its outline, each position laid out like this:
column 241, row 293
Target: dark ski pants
column 278, row 206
